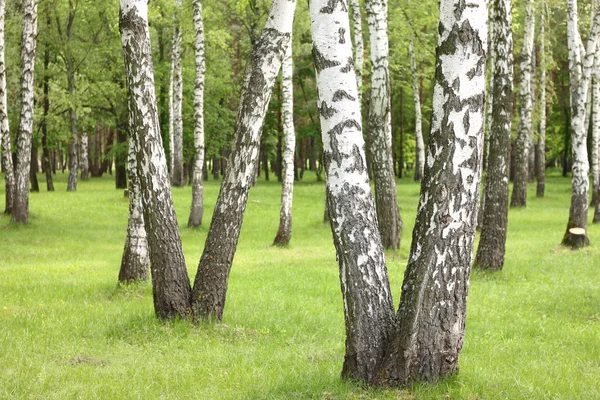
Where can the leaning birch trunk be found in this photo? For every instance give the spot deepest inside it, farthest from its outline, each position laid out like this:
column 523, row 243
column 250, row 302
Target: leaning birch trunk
column 20, row 211
column 419, row 143
column 368, row 306
column 135, row 263
column 170, row 282
column 519, row 194
column 492, row 242
column 197, row 209
column 359, row 47
column 380, row 127
column 7, row 165
column 432, row 313
column 210, row 286
column 85, row 166
column 540, row 158
column 284, row 233
column 178, row 172
column 580, row 66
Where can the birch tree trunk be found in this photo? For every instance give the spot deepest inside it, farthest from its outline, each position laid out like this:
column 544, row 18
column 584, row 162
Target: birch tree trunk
column 135, row 263
column 595, row 153
column 432, row 313
column 171, row 120
column 492, row 242
column 197, row 210
column 7, row 165
column 519, row 194
column 85, row 166
column 210, row 285
column 72, row 148
column 46, row 110
column 419, row 143
column 178, row 172
column 580, row 66
column 284, row 233
column 170, row 282
column 73, row 142
column 20, row 211
column 359, row 47
column 380, row 127
column 540, row 158
column 368, row 306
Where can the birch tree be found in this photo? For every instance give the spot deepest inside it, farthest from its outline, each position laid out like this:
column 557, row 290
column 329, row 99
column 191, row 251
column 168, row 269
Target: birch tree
column 284, row 233
column 170, row 282
column 540, row 157
column 20, row 211
column 177, row 167
column 380, row 128
column 210, row 285
column 7, row 165
column 519, row 194
column 84, row 165
column 580, row 66
column 492, row 243
column 419, row 143
column 197, row 209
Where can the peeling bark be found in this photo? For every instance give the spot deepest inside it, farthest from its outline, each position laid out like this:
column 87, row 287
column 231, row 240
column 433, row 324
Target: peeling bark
column 170, row 282
column 210, row 285
column 197, row 209
column 20, row 211
column 7, row 164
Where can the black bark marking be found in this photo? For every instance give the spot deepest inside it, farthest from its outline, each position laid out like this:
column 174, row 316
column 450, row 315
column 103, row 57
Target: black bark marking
column 349, row 66
column 326, row 111
column 342, row 32
column 341, row 95
column 321, row 62
column 460, row 7
column 331, row 4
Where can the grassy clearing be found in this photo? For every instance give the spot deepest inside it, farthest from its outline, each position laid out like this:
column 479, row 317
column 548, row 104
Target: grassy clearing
column 66, row 331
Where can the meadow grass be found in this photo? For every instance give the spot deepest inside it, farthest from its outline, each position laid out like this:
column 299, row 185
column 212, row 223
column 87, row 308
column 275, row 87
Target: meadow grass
column 67, row 331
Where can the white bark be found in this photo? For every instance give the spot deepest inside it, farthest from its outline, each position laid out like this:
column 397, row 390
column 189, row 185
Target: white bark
column 359, row 47
column 7, row 165
column 419, row 143
column 178, row 171
column 171, row 121
column 20, row 212
column 595, row 154
column 197, row 210
column 284, row 233
column 85, row 166
column 541, row 145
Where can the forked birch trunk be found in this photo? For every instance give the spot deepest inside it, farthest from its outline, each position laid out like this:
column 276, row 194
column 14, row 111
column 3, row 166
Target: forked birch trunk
column 210, row 285
column 7, row 164
column 170, row 282
column 419, row 143
column 380, row 127
column 519, row 194
column 284, row 233
column 432, row 313
column 368, row 307
column 135, row 263
column 540, row 158
column 197, row 209
column 492, row 242
column 178, row 172
column 20, row 211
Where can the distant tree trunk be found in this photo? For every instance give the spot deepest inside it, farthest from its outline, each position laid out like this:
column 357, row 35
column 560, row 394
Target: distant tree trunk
column 85, row 166
column 580, row 66
column 431, row 318
column 531, row 151
column 7, row 163
column 73, row 143
column 135, row 263
column 178, row 171
column 46, row 111
column 35, row 186
column 210, row 286
column 492, row 243
column 401, row 155
column 379, row 122
column 20, row 211
column 197, row 209
column 284, row 233
column 540, row 158
column 73, row 163
column 368, row 307
column 171, row 119
column 170, row 282
column 121, row 163
column 419, row 143
column 519, row 194
column 596, row 139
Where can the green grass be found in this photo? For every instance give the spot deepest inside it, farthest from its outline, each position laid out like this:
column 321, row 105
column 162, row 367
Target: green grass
column 66, row 331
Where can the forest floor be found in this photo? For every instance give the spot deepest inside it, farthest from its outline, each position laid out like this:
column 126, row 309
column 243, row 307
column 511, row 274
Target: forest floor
column 67, row 331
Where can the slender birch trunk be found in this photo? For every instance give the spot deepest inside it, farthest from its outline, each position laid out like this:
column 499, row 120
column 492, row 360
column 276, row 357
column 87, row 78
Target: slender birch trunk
column 492, row 243
column 210, row 286
column 20, row 211
column 419, row 143
column 171, row 120
column 197, row 209
column 46, row 111
column 170, row 282
column 178, row 172
column 359, row 46
column 135, row 263
column 7, row 164
column 71, row 83
column 284, row 233
column 85, row 166
column 531, row 153
column 368, row 307
column 595, row 154
column 519, row 194
column 380, row 127
column 580, row 66
column 540, row 158
column 432, row 313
